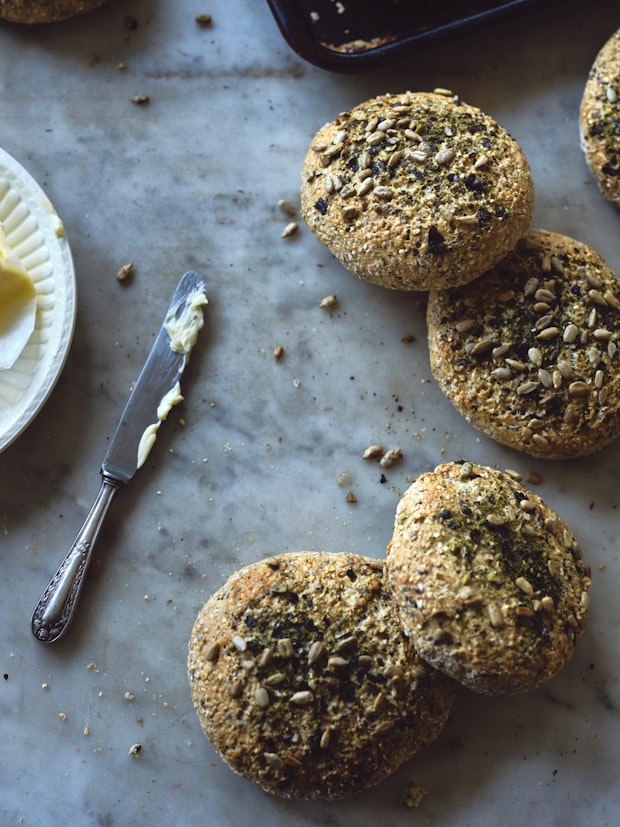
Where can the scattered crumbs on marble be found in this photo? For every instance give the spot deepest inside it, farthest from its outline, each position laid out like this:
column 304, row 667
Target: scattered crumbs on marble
column 121, row 66
column 140, row 100
column 86, row 731
column 291, row 228
column 91, row 665
column 533, row 478
column 204, row 20
column 135, row 750
column 350, row 497
column 328, row 301
column 287, row 208
column 45, row 686
column 62, row 716
column 373, row 452
column 412, row 795
column 345, row 478
column 125, row 272
column 278, row 353
column 92, row 60
column 391, row 456
column 407, row 339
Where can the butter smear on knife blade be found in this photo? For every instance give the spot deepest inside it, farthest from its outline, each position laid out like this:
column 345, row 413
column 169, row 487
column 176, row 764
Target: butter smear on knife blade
column 183, row 331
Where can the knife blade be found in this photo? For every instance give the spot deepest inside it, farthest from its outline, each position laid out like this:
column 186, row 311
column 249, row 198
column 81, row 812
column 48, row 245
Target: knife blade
column 156, row 390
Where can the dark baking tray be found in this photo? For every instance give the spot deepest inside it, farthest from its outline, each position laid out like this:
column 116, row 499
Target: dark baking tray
column 353, row 35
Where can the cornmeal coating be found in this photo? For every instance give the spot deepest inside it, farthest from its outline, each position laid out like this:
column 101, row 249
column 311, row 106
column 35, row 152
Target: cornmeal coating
column 528, row 353
column 599, row 119
column 304, row 681
column 416, row 190
column 44, row 11
column 488, row 579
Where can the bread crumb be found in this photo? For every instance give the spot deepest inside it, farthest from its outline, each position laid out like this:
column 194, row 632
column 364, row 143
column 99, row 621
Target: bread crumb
column 328, row 301
column 125, row 272
column 412, row 795
column 135, row 750
column 390, row 457
column 204, row 19
column 278, row 352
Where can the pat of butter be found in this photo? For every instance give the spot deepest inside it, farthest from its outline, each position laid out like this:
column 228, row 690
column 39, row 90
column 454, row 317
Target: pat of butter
column 18, row 307
column 183, row 332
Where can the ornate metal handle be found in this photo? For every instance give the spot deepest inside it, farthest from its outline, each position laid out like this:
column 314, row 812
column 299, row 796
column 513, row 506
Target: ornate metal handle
column 55, row 609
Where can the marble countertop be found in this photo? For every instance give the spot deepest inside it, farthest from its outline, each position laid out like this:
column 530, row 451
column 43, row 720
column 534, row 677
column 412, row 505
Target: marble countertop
column 259, row 457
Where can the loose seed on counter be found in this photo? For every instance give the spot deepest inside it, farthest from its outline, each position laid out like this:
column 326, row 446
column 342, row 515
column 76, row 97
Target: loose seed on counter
column 290, row 229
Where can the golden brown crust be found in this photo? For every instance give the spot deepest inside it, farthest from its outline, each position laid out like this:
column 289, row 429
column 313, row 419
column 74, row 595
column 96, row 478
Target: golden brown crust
column 44, row 11
column 599, row 119
column 304, row 681
column 528, row 352
column 416, row 190
column 489, row 581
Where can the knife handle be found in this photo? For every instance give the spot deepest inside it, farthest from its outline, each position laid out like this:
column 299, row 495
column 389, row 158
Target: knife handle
column 56, row 606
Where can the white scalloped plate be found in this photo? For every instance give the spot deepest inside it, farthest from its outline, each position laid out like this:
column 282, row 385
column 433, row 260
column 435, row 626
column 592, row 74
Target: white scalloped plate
column 35, row 233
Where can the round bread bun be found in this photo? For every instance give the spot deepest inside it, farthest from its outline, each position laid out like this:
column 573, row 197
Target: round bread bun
column 304, row 681
column 528, row 352
column 44, row 11
column 599, row 117
column 488, row 580
column 416, row 190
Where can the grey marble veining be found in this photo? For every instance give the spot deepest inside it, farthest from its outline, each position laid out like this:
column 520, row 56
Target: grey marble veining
column 252, row 461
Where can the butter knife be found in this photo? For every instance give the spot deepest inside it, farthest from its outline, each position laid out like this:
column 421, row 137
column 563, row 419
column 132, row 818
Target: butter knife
column 155, row 392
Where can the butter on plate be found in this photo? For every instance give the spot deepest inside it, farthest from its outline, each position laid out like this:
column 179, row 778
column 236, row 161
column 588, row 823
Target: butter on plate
column 18, row 306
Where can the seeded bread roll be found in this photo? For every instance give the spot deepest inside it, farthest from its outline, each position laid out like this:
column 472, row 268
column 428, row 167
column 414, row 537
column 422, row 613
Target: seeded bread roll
column 599, row 117
column 528, row 352
column 44, row 11
column 416, row 190
column 303, row 680
column 488, row 580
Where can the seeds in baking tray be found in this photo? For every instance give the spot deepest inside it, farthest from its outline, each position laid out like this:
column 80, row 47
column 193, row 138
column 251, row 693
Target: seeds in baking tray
column 240, row 643
column 548, row 333
column 481, row 346
column 524, row 612
column 527, row 387
column 578, row 388
column 290, row 229
column 597, row 297
column 535, row 356
column 285, row 648
column 524, row 585
column 495, row 615
column 302, row 698
column 212, row 652
column 261, row 697
column 316, row 652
